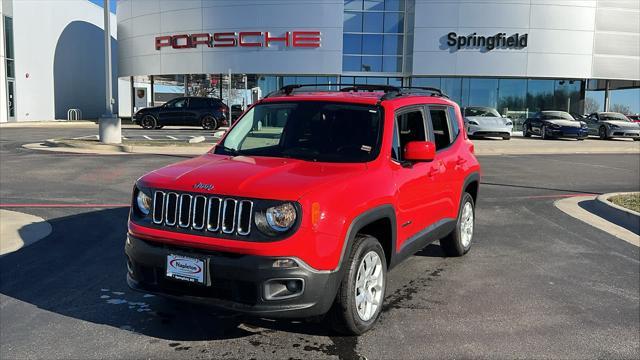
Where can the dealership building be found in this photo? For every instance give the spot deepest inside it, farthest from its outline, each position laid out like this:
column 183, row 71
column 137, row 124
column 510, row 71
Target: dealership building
column 518, row 56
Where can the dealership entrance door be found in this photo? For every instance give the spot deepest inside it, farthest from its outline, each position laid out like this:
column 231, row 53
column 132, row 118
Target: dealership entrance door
column 11, row 100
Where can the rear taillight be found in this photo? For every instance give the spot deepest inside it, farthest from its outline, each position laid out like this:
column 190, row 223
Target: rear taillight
column 224, row 109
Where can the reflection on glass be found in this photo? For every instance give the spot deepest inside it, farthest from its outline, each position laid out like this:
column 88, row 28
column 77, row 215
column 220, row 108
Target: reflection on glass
column 426, row 82
column 374, row 4
column 593, row 102
column 372, row 22
column 393, row 22
column 483, row 92
column 453, row 88
column 352, row 21
column 372, row 44
column 567, row 95
column 372, row 63
column 394, row 5
column 539, row 95
column 392, row 45
column 353, row 4
column 392, row 64
column 352, row 43
column 351, row 63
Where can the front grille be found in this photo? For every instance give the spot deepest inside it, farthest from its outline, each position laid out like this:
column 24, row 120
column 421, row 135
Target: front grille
column 200, row 213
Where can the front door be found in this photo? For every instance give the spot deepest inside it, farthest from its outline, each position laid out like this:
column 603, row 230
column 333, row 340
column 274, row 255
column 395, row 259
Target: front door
column 11, row 100
column 417, row 184
column 173, row 112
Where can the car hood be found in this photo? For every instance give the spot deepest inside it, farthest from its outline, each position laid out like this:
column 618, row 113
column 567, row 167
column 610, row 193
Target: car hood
column 254, row 177
column 487, row 121
column 622, row 124
column 566, row 123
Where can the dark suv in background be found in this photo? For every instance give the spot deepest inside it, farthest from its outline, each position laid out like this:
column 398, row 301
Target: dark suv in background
column 210, row 113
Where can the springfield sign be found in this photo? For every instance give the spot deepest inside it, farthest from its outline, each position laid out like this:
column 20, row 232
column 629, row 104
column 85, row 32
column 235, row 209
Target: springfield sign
column 501, row 40
column 294, row 39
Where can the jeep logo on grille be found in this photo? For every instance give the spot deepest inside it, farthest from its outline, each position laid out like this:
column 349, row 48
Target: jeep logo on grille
column 201, row 186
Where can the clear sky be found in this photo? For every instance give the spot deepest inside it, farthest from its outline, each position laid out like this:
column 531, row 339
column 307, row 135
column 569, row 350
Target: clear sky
column 112, row 4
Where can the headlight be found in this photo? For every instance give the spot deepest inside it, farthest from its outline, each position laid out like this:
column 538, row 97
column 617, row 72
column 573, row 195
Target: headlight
column 276, row 219
column 471, row 122
column 143, row 202
column 614, row 126
column 508, row 123
column 583, row 124
column 556, row 126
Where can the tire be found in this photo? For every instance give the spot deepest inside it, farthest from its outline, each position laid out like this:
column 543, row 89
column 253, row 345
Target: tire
column 159, row 127
column 636, row 139
column 345, row 316
column 602, row 133
column 148, row 122
column 543, row 132
column 525, row 131
column 506, row 137
column 456, row 243
column 209, row 122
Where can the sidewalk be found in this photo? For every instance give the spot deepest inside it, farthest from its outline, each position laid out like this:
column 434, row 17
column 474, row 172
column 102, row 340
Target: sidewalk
column 49, row 123
column 19, row 229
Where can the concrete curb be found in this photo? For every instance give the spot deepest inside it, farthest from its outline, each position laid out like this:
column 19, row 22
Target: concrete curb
column 628, row 218
column 50, row 123
column 572, row 206
column 53, row 145
column 18, row 230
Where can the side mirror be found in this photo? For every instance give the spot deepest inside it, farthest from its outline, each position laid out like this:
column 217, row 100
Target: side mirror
column 504, row 116
column 420, row 151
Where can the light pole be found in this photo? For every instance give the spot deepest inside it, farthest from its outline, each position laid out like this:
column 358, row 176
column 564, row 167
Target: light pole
column 108, row 125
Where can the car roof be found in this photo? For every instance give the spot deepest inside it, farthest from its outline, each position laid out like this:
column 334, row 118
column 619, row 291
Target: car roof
column 357, row 97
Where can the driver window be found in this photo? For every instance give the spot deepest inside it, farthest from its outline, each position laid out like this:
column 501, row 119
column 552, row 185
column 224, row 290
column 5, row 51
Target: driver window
column 180, row 103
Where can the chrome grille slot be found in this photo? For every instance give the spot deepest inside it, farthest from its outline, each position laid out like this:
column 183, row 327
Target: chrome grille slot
column 213, row 214
column 199, row 212
column 171, row 209
column 245, row 210
column 158, row 207
column 184, row 214
column 229, row 216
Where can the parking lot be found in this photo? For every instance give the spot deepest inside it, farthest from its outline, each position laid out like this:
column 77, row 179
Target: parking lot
column 536, row 284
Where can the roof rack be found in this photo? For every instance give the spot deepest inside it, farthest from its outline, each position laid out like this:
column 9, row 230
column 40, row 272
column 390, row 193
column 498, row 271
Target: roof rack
column 390, row 91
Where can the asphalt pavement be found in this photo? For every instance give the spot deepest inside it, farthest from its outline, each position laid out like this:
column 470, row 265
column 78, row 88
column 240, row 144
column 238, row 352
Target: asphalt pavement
column 537, row 283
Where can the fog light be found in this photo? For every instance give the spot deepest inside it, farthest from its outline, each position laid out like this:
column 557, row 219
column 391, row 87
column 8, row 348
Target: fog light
column 280, row 289
column 285, row 263
column 294, row 286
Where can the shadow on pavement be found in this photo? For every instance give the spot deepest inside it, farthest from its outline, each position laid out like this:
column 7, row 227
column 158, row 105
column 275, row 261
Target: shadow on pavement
column 79, row 271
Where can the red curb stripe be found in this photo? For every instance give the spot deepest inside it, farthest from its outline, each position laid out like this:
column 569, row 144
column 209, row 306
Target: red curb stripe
column 65, row 205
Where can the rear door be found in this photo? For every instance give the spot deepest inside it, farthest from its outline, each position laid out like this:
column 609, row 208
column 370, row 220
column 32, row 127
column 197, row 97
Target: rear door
column 198, row 107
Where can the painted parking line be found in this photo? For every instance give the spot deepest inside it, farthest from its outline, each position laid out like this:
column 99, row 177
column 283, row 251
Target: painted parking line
column 23, row 205
column 147, row 137
column 172, row 137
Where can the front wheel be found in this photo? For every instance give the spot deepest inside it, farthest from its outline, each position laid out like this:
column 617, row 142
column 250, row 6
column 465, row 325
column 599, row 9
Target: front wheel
column 209, row 123
column 458, row 242
column 359, row 300
column 543, row 132
column 506, row 137
column 602, row 132
column 525, row 131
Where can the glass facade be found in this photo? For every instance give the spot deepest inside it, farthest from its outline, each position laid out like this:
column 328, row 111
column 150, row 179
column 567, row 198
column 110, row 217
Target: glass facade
column 373, row 39
column 516, row 98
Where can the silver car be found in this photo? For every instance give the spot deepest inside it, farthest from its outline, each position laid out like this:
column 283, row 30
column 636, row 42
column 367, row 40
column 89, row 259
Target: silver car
column 486, row 122
column 609, row 125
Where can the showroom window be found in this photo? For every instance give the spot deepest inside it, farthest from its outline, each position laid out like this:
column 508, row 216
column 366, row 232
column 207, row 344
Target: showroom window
column 373, row 39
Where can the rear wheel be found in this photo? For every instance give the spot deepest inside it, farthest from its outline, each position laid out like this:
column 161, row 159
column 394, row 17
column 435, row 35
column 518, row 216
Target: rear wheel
column 361, row 293
column 506, row 137
column 458, row 242
column 148, row 122
column 209, row 123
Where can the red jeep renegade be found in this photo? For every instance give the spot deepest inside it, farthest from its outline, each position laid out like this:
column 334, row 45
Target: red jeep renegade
column 306, row 203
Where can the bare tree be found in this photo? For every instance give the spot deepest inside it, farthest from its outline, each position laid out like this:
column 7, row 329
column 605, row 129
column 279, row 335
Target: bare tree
column 620, row 108
column 591, row 105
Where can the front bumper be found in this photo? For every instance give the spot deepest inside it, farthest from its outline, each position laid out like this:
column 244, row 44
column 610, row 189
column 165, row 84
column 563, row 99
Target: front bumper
column 489, row 131
column 566, row 132
column 232, row 281
column 623, row 133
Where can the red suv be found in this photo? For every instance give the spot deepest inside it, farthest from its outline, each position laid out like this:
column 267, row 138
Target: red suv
column 306, row 203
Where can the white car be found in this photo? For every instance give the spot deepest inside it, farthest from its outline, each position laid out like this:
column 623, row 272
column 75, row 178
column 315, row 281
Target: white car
column 486, row 122
column 609, row 125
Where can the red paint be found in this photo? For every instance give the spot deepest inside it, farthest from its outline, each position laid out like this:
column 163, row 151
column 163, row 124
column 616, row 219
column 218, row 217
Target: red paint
column 296, row 39
column 422, row 195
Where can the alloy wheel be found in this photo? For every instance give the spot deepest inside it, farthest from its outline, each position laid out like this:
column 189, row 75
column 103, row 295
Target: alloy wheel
column 369, row 285
column 466, row 225
column 148, row 122
column 209, row 123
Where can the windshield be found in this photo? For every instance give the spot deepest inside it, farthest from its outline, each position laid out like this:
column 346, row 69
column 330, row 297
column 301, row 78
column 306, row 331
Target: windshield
column 556, row 115
column 613, row 116
column 307, row 130
column 481, row 111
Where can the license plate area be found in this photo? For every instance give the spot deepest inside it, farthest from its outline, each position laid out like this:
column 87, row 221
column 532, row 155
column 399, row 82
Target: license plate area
column 186, row 268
